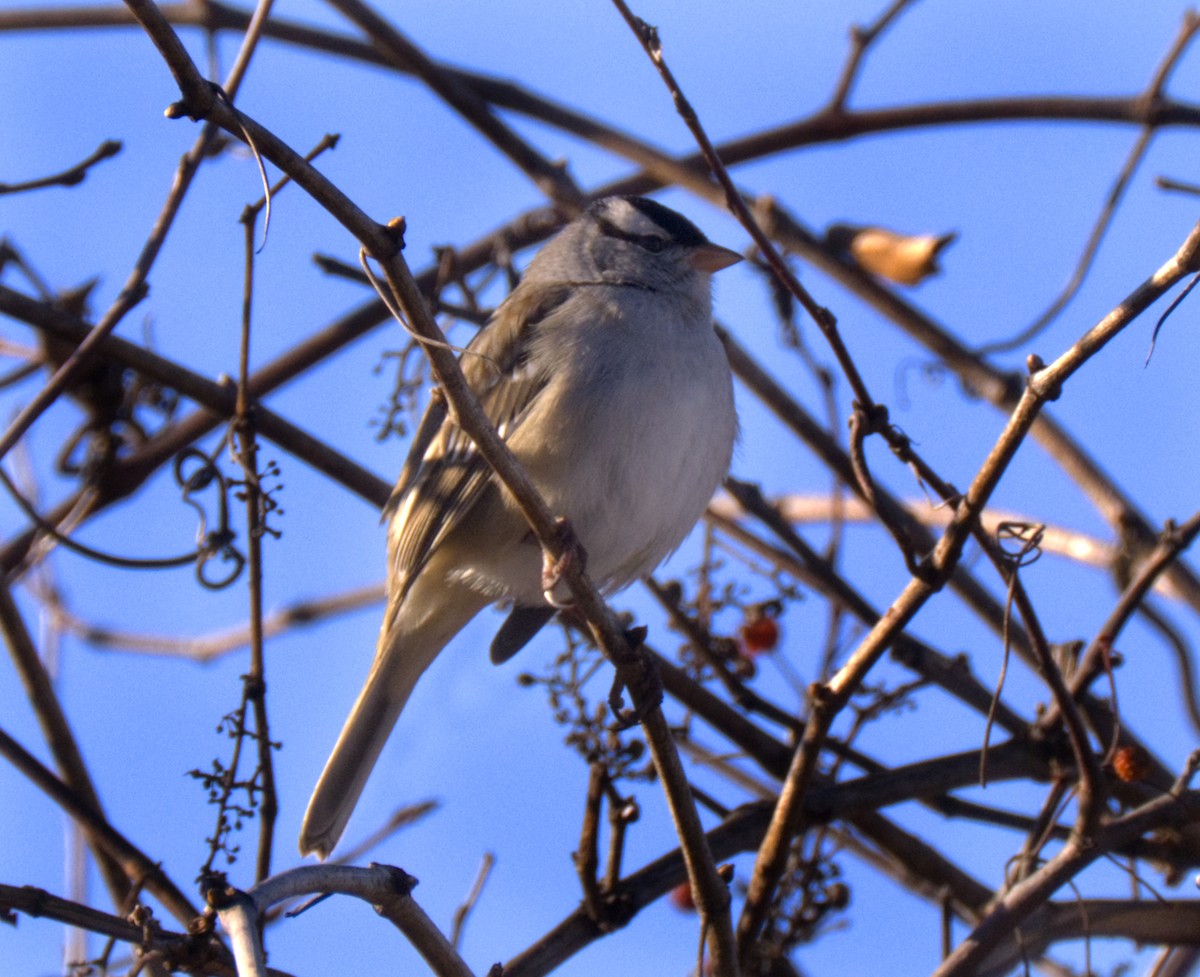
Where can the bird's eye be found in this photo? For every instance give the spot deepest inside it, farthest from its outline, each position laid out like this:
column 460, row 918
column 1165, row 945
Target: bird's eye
column 651, row 243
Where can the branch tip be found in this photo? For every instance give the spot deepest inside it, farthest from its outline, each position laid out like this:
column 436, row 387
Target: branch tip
column 401, row 882
column 395, row 229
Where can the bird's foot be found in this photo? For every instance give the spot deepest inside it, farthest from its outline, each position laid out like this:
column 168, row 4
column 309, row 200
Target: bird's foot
column 572, row 558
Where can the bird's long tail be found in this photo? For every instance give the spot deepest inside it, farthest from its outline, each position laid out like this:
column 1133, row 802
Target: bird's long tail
column 404, row 653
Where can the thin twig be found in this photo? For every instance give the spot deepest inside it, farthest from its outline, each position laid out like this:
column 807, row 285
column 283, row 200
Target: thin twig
column 257, row 511
column 861, row 424
column 587, row 855
column 861, row 39
column 701, row 641
column 198, row 949
column 1090, row 784
column 1058, row 540
column 648, row 37
column 551, row 179
column 462, row 913
column 69, row 177
column 813, row 569
column 1154, row 92
column 387, row 889
column 1025, row 898
column 218, row 401
column 998, row 388
column 1173, row 541
column 132, row 292
column 40, row 691
column 776, row 398
column 402, row 817
column 109, row 559
column 250, row 41
column 383, row 245
column 1044, row 384
column 135, row 865
column 206, row 648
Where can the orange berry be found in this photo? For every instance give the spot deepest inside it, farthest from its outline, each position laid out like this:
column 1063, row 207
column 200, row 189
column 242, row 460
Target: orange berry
column 681, row 897
column 759, row 634
column 1129, row 764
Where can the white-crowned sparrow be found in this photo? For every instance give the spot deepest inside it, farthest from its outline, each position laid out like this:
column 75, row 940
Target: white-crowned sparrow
column 603, row 374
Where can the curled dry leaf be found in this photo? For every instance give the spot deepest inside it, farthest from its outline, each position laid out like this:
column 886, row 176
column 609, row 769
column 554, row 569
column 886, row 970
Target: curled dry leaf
column 901, row 258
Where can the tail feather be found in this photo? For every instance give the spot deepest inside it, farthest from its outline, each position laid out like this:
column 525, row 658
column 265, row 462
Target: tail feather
column 345, row 774
column 403, row 655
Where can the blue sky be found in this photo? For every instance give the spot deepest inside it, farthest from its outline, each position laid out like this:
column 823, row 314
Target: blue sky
column 1023, row 197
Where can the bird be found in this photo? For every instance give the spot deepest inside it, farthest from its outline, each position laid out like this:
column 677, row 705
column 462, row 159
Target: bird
column 603, row 373
column 907, row 259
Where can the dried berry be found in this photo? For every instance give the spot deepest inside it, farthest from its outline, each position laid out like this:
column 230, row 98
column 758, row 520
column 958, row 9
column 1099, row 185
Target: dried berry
column 1129, row 764
column 759, row 635
column 681, row 897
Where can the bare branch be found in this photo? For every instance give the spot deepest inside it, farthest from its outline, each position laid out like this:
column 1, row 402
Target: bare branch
column 386, row 888
column 57, row 731
column 136, row 866
column 70, row 177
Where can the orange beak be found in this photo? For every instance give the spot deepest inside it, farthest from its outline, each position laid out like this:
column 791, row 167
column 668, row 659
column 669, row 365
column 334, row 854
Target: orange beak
column 712, row 257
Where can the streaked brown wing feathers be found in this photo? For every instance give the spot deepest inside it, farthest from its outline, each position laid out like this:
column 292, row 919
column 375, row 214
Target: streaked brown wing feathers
column 452, row 476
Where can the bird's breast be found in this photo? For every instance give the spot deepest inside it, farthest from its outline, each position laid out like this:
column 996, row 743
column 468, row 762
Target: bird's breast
column 633, row 443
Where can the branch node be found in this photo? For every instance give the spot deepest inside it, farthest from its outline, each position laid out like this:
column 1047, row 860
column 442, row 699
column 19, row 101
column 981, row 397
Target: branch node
column 395, row 230
column 187, row 108
column 218, row 893
column 821, row 696
column 640, row 675
column 401, row 883
column 1036, row 380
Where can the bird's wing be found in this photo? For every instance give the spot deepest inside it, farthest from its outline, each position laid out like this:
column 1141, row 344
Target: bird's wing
column 451, row 476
